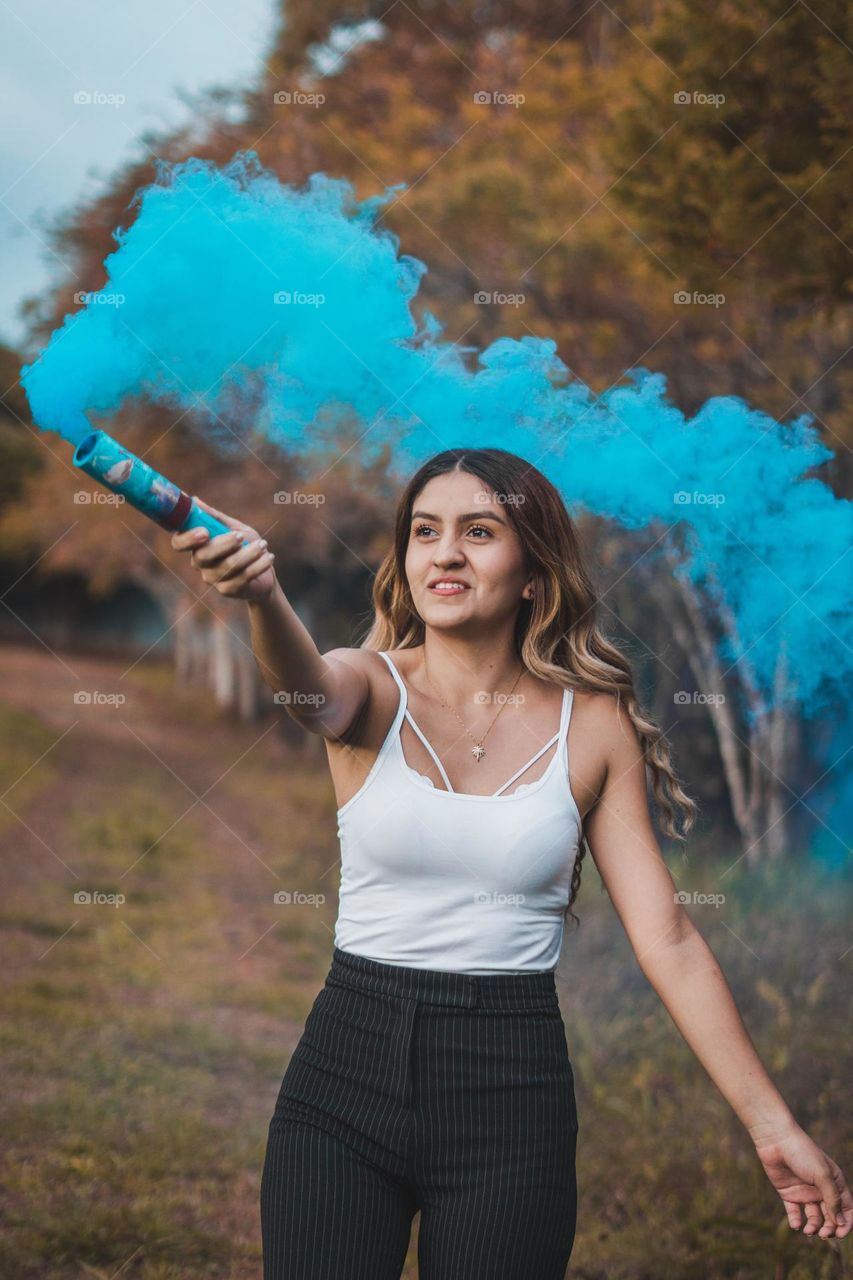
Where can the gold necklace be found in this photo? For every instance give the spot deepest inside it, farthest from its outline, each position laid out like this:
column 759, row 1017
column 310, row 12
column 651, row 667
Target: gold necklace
column 478, row 750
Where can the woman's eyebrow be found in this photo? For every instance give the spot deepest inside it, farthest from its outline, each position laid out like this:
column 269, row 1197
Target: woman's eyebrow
column 469, row 515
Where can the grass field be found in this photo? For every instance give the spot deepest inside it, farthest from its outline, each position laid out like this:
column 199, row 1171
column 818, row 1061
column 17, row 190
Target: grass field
column 143, row 1042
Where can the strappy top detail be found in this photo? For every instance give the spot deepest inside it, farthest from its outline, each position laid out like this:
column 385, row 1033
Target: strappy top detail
column 434, row 878
column 403, row 713
column 556, row 738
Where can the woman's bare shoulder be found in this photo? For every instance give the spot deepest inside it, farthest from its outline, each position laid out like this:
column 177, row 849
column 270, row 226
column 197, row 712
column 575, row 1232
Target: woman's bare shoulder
column 380, row 690
column 605, row 717
column 362, row 659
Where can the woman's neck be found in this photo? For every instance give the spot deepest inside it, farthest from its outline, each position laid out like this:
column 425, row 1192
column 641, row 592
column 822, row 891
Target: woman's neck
column 459, row 670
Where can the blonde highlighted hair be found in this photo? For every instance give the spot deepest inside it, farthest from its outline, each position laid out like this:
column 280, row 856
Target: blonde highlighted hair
column 558, row 637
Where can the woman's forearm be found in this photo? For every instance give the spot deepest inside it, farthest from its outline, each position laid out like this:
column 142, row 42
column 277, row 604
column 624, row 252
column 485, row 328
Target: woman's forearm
column 287, row 657
column 694, row 990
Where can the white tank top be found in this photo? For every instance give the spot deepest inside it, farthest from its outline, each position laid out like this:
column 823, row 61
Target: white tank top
column 442, row 879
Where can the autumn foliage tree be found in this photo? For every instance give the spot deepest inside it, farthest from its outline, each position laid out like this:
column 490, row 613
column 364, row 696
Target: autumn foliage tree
column 547, row 157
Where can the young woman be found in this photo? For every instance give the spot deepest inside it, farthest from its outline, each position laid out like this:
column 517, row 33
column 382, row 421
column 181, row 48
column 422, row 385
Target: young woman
column 482, row 738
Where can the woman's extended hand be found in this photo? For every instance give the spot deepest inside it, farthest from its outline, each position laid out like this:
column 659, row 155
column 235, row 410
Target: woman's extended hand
column 238, row 572
column 806, row 1177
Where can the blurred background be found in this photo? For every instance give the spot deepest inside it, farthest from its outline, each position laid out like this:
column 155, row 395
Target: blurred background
column 655, row 184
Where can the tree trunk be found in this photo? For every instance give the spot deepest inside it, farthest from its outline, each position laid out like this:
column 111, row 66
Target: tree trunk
column 755, row 757
column 234, row 675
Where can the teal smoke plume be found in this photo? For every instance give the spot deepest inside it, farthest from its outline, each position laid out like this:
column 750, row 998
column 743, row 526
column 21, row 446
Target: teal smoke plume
column 230, row 283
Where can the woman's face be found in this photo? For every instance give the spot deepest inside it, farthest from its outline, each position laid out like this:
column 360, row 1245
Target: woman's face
column 461, row 533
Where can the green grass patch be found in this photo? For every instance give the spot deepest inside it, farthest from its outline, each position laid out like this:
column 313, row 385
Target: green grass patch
column 26, row 767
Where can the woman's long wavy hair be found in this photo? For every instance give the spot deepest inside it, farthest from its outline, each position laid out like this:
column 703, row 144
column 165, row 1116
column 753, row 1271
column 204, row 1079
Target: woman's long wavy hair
column 558, row 637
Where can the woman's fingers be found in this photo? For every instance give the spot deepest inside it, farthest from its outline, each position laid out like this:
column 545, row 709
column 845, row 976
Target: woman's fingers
column 814, row 1218
column 228, row 561
column 237, row 583
column 241, row 583
column 189, row 538
column 829, row 1223
column 210, row 551
column 795, row 1214
column 238, row 561
column 837, row 1203
column 845, row 1218
column 229, row 520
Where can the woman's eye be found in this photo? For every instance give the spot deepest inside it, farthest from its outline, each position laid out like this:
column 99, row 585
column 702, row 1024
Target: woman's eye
column 426, row 528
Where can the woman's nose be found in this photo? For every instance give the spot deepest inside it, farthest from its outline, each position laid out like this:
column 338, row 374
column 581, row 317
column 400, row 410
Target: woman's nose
column 451, row 554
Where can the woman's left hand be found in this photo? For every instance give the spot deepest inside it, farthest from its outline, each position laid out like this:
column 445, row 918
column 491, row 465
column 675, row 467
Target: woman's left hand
column 807, row 1178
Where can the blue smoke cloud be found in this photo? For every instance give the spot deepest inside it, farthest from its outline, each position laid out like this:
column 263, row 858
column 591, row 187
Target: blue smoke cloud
column 230, row 283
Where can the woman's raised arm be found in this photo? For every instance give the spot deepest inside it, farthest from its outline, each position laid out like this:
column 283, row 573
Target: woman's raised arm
column 325, row 693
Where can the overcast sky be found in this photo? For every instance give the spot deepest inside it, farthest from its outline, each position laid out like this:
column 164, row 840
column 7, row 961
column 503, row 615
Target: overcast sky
column 53, row 149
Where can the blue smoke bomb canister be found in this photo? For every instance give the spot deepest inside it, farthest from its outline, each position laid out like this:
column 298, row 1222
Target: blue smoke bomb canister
column 116, row 468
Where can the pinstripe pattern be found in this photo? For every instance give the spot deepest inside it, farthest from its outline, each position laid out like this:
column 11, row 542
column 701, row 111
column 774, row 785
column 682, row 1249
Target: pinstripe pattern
column 422, row 1089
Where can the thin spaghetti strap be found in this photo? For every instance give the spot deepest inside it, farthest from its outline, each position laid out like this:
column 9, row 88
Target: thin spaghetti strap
column 525, row 767
column 559, row 737
column 401, row 706
column 565, row 720
column 425, row 740
column 394, row 672
column 404, row 713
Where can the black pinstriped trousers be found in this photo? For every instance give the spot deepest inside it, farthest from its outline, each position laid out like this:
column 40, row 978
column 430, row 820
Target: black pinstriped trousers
column 416, row 1089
